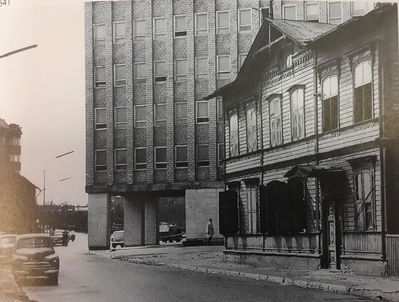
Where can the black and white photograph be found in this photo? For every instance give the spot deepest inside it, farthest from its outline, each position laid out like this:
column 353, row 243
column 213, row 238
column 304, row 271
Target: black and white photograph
column 199, row 150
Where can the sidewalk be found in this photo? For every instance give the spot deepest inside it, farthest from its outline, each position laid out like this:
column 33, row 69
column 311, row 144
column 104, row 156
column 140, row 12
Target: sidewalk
column 210, row 260
column 9, row 290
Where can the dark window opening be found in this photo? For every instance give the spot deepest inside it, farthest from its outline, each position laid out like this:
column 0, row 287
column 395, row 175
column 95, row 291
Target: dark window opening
column 363, row 103
column 180, row 33
column 330, row 114
column 160, row 79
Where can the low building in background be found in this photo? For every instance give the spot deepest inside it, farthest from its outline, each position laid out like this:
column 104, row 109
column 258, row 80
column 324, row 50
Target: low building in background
column 311, row 143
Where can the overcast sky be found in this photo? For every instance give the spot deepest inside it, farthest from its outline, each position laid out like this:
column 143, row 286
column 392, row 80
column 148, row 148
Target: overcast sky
column 43, row 91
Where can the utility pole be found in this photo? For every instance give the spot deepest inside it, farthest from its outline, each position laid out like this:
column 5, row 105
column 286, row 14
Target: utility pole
column 44, row 188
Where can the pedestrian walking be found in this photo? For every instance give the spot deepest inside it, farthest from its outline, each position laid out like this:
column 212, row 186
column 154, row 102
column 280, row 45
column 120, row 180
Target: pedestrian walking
column 209, row 231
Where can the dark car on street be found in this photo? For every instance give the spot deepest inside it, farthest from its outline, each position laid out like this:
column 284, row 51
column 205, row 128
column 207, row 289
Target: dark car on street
column 7, row 243
column 34, row 257
column 60, row 237
column 117, row 238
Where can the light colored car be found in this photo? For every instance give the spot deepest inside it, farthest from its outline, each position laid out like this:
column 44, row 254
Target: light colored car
column 117, row 238
column 34, row 256
column 7, row 243
column 60, row 237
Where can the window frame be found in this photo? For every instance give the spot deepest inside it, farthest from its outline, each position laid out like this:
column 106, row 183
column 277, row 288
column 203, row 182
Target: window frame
column 303, row 134
column 160, row 78
column 329, row 10
column 251, row 105
column 118, row 123
column 158, row 34
column 306, row 11
column 199, row 119
column 201, row 75
column 101, row 40
column 241, row 59
column 180, row 121
column 324, row 128
column 183, row 76
column 201, row 31
column 138, row 37
column 100, row 84
column 280, row 139
column 116, row 39
column 289, row 6
column 103, row 126
column 141, row 165
column 223, row 151
column 368, row 8
column 96, row 165
column 201, row 163
column 181, row 33
column 135, row 70
column 179, row 164
column 224, row 29
column 119, row 82
column 143, row 123
column 122, row 166
column 237, row 130
column 156, row 109
column 371, row 83
column 160, row 165
column 244, row 25
column 219, row 109
column 223, row 74
column 252, row 208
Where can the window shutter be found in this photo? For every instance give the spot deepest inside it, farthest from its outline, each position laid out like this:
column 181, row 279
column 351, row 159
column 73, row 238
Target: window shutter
column 228, row 213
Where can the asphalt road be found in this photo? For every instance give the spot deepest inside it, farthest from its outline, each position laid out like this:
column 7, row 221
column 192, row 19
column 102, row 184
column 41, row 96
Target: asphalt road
column 89, row 278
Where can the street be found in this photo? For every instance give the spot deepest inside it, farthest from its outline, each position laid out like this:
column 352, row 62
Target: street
column 87, row 278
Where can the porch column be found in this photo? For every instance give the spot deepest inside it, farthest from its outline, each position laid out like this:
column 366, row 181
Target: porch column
column 99, row 221
column 133, row 221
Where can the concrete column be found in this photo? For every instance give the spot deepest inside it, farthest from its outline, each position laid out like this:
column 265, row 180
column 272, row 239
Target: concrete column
column 150, row 221
column 99, row 221
column 133, row 221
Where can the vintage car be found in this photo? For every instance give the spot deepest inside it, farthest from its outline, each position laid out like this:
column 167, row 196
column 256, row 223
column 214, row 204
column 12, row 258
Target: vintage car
column 34, row 256
column 117, row 238
column 7, row 243
column 60, row 237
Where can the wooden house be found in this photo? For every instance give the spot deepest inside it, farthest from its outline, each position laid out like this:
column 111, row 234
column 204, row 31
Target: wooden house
column 311, row 145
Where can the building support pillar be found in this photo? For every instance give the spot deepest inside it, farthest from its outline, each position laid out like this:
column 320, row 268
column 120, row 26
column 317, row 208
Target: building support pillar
column 99, row 221
column 133, row 211
column 150, row 222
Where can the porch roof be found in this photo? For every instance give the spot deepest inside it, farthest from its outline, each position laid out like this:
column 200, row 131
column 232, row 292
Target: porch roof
column 304, row 171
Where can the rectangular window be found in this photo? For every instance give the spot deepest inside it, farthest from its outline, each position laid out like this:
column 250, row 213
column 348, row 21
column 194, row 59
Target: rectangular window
column 101, row 160
column 159, row 26
column 220, row 154
column 119, row 32
column 99, row 76
column 223, row 64
column 312, row 12
column 201, row 24
column 100, row 116
column 297, row 114
column 140, row 71
column 160, row 157
column 99, row 33
column 180, row 69
column 140, row 158
column 202, row 112
column 160, row 71
column 219, row 108
column 119, row 75
column 334, row 12
column 241, row 59
column 276, row 125
column 139, row 30
column 252, row 205
column 120, row 117
column 265, row 13
column 360, row 8
column 233, row 126
column 244, row 20
column 202, row 155
column 222, row 22
column 140, row 116
column 330, row 103
column 181, row 112
column 201, row 67
column 181, row 156
column 252, row 139
column 180, row 26
column 160, row 112
column 289, row 12
column 363, row 100
column 120, row 159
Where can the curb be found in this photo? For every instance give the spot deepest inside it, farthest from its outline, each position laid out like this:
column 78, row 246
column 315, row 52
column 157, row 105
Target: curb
column 341, row 289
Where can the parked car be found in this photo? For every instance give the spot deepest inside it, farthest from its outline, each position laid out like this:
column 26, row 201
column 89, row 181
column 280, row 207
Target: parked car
column 34, row 256
column 7, row 243
column 117, row 238
column 169, row 232
column 60, row 237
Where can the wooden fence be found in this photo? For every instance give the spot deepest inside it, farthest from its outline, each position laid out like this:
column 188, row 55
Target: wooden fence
column 392, row 249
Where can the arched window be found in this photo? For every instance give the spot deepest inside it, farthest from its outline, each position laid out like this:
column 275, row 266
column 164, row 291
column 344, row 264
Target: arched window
column 330, row 103
column 297, row 114
column 276, row 137
column 362, row 101
column 234, row 134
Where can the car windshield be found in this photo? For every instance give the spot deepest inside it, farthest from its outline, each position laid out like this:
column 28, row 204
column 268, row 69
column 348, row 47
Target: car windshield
column 58, row 233
column 7, row 240
column 118, row 235
column 34, row 242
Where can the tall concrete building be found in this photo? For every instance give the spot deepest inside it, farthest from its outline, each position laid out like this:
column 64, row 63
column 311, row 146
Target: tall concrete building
column 10, row 146
column 150, row 133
